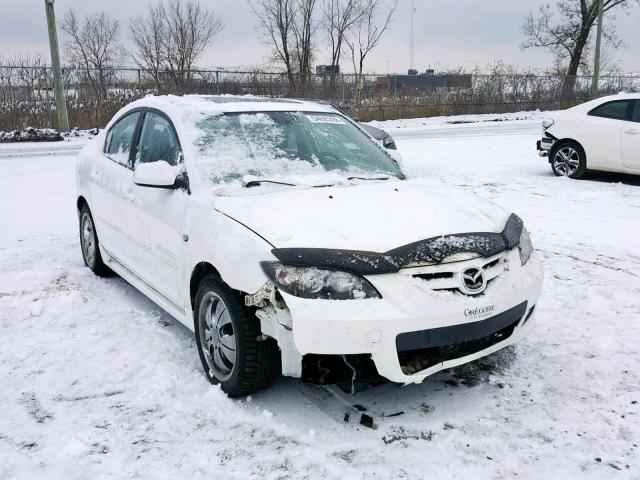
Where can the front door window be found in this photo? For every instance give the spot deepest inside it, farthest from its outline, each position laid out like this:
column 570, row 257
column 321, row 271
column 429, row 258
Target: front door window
column 158, row 141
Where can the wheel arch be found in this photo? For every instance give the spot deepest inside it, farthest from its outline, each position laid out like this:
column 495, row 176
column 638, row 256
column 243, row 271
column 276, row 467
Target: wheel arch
column 560, row 141
column 201, row 270
column 81, row 202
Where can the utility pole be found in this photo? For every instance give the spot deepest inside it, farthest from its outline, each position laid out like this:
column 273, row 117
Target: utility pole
column 596, row 62
column 61, row 103
column 413, row 11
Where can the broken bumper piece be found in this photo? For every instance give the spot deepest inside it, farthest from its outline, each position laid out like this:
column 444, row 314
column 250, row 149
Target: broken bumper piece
column 544, row 146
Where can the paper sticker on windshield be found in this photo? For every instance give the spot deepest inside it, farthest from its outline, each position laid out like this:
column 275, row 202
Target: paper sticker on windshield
column 325, row 118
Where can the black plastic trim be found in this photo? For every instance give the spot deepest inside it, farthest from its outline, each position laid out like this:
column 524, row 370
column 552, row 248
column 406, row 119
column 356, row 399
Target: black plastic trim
column 438, row 337
column 432, row 250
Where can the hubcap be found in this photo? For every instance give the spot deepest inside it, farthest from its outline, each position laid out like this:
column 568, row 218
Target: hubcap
column 566, row 161
column 88, row 239
column 217, row 337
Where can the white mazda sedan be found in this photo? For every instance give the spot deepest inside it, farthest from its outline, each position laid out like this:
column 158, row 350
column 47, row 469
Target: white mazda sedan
column 281, row 233
column 602, row 134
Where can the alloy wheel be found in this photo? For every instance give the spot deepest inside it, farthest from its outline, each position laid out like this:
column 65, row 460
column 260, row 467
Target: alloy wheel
column 217, row 336
column 88, row 239
column 566, row 161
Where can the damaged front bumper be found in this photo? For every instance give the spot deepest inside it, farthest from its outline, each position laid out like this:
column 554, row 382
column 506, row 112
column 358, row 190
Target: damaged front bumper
column 422, row 323
column 545, row 145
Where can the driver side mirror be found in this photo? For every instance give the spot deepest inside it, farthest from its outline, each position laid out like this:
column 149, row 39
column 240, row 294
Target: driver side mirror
column 156, row 175
column 396, row 157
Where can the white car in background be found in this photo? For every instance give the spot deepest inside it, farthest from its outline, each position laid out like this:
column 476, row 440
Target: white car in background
column 602, row 134
column 279, row 232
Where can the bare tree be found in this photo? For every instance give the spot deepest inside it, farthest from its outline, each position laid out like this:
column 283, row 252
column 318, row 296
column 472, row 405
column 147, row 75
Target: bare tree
column 276, row 21
column 568, row 38
column 148, row 34
column 35, row 80
column 339, row 17
column 172, row 37
column 368, row 32
column 303, row 30
column 288, row 26
column 189, row 30
column 92, row 46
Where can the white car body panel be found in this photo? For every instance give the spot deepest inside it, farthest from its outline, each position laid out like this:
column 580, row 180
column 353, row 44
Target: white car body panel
column 155, row 238
column 338, row 218
column 630, row 145
column 610, row 145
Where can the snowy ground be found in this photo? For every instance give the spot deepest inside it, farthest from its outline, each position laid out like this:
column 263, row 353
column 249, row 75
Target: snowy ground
column 97, row 382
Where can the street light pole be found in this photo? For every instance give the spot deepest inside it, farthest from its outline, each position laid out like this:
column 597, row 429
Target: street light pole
column 596, row 62
column 61, row 103
column 413, row 12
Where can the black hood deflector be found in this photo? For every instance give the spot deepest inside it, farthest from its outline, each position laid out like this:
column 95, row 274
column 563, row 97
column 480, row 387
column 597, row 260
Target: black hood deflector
column 431, row 250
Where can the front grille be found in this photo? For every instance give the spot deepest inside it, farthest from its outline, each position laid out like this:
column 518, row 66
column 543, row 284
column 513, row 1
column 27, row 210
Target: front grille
column 492, row 264
column 420, row 350
column 446, row 276
column 433, row 276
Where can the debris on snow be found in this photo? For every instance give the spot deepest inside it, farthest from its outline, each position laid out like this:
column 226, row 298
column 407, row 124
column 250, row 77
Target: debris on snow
column 396, row 414
column 367, row 421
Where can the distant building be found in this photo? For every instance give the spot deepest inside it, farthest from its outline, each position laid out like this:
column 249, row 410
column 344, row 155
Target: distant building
column 327, row 69
column 424, row 82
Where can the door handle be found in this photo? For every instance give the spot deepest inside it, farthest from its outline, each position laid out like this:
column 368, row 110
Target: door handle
column 129, row 195
column 632, row 131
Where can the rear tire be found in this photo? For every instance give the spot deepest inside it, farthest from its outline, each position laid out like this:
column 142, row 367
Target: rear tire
column 90, row 245
column 230, row 345
column 568, row 160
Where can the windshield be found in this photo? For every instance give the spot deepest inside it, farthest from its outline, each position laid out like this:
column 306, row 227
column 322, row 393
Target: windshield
column 278, row 145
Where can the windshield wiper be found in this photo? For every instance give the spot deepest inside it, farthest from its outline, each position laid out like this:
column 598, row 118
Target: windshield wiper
column 257, row 183
column 368, row 178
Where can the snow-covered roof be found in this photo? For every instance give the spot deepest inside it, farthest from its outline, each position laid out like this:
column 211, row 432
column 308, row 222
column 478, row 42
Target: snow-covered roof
column 227, row 103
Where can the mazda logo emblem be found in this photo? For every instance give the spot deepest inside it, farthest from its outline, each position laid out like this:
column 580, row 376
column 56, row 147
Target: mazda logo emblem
column 473, row 281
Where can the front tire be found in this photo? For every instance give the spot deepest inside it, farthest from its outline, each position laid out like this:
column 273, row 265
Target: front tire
column 230, row 345
column 568, row 160
column 90, row 245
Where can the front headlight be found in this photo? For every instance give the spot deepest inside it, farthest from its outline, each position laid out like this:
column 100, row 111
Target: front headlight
column 312, row 282
column 525, row 246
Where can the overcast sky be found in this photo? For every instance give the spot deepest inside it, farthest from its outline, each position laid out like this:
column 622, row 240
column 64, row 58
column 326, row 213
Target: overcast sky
column 448, row 33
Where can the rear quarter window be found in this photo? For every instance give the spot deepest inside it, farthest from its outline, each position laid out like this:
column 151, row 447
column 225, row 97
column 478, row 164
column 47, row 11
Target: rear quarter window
column 616, row 110
column 636, row 112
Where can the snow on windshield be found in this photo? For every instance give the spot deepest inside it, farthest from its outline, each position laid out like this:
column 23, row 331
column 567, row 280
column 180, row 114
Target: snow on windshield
column 233, row 147
column 277, row 146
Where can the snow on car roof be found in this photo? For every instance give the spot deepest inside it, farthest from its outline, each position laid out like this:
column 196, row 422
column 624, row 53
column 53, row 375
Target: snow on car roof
column 226, row 103
column 245, row 99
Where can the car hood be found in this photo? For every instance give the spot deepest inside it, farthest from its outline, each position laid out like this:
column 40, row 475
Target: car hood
column 373, row 217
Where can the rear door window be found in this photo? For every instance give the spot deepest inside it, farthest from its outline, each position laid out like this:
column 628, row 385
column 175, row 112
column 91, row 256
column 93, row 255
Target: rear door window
column 158, row 141
column 120, row 138
column 616, row 110
column 636, row 112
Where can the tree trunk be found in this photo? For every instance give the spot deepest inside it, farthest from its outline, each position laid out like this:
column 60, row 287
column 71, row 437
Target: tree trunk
column 292, row 80
column 567, row 95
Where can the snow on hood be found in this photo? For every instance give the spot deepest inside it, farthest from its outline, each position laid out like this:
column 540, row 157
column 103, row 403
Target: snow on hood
column 377, row 217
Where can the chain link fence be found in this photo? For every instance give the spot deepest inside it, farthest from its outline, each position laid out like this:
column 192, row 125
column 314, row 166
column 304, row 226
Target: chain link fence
column 93, row 97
